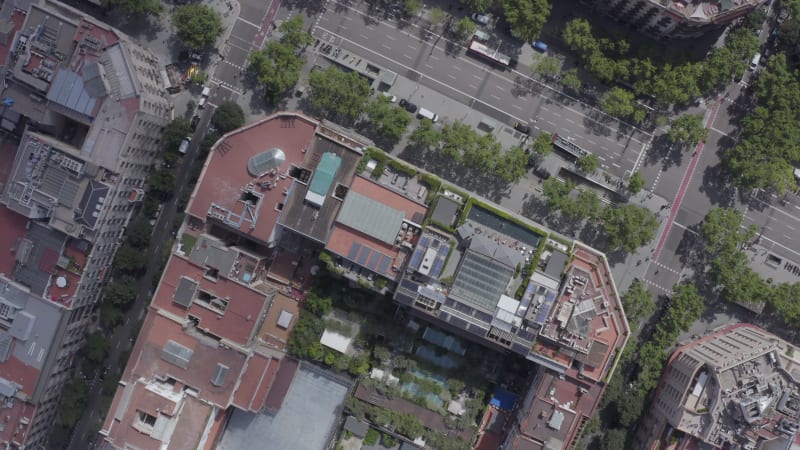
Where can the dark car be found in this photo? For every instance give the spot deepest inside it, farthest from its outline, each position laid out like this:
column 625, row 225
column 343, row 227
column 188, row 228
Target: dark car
column 410, row 107
column 542, row 173
column 522, row 128
column 194, row 122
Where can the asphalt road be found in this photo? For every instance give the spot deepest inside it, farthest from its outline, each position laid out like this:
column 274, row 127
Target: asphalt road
column 505, row 95
column 251, row 28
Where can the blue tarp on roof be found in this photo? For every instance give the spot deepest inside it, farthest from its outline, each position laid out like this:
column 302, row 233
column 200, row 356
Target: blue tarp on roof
column 503, row 399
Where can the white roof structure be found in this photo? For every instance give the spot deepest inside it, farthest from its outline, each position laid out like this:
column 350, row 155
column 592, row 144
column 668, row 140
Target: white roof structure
column 336, row 341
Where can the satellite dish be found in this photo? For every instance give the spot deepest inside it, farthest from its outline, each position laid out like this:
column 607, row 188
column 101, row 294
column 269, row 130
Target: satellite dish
column 61, row 282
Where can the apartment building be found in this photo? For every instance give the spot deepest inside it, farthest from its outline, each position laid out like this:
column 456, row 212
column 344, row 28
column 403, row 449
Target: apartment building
column 92, row 106
column 212, row 346
column 736, row 387
column 674, row 19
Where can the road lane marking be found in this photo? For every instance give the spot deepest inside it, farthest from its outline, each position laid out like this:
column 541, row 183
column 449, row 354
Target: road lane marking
column 600, row 158
column 386, row 47
column 557, row 114
column 551, row 123
column 570, row 121
column 477, row 77
column 364, row 37
column 517, row 107
column 390, row 37
column 435, row 58
column 494, row 96
column 451, row 76
column 451, row 88
column 348, row 18
column 616, row 165
column 407, row 57
column 249, row 23
column 483, row 68
column 412, row 47
column 787, row 237
column 472, row 86
column 591, row 142
column 456, row 68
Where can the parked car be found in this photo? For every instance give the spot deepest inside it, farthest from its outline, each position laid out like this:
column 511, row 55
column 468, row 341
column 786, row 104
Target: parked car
column 542, row 173
column 194, row 122
column 392, row 98
column 481, row 19
column 410, row 107
column 184, row 145
column 522, row 128
column 539, row 46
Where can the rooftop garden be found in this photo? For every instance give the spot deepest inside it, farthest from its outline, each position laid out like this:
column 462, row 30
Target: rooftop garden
column 432, row 388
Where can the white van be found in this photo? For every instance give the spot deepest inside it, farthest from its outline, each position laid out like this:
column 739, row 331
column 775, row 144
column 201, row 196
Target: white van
column 754, row 62
column 427, row 114
column 206, row 92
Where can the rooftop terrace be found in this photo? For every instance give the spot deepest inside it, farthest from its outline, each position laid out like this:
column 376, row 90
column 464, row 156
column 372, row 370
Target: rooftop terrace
column 227, row 193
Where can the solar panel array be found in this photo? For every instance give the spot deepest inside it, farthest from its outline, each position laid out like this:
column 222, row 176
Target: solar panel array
column 442, row 250
column 369, row 258
column 544, row 308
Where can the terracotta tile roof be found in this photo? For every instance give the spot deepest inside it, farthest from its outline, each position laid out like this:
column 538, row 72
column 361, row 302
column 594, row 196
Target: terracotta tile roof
column 283, row 380
column 382, row 194
column 237, row 323
column 13, row 226
column 225, row 172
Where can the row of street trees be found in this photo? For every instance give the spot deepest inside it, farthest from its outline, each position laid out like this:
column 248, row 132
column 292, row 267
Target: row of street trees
column 277, row 66
column 462, row 144
column 670, row 84
column 626, row 227
column 640, row 366
column 725, row 235
column 768, row 146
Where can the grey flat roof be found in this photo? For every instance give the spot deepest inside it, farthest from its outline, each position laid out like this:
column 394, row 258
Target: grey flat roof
column 371, row 217
column 69, row 91
column 445, row 211
column 305, row 421
column 308, row 219
column 184, row 293
column 92, row 203
column 32, row 312
column 213, row 253
column 555, row 265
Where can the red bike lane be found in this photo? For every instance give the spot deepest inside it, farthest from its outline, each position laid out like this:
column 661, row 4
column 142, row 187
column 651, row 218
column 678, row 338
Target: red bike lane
column 687, row 178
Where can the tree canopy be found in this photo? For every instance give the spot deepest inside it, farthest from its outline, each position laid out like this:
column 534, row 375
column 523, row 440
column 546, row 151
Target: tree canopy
column 768, row 143
column 277, row 66
column 628, row 227
column 174, row 132
column 139, row 232
column 636, row 183
column 342, row 95
column 527, row 17
column 386, row 120
column 464, row 28
column 129, row 259
column 638, row 303
column 198, row 26
column 547, row 66
column 543, row 144
column 588, row 163
column 228, row 116
column 609, row 60
column 571, row 80
column 688, row 130
column 136, row 7
column 724, row 232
